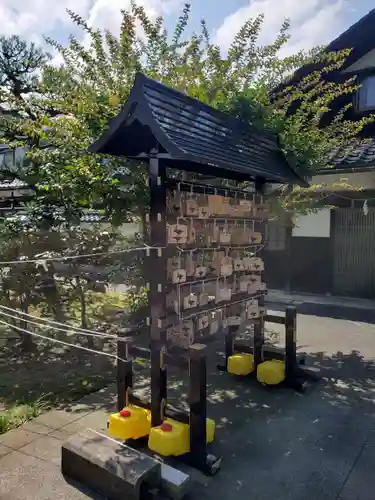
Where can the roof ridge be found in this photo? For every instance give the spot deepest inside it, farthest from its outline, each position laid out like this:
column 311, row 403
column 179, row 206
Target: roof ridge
column 363, row 20
column 203, row 105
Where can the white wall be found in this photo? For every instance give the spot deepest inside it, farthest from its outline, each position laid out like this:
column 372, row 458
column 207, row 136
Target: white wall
column 316, row 225
column 353, row 180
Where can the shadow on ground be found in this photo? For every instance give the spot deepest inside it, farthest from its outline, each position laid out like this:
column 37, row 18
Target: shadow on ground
column 277, row 444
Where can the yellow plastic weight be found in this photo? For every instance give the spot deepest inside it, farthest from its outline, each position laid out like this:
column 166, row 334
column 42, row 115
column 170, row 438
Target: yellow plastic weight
column 132, row 422
column 173, row 438
column 240, row 364
column 271, row 372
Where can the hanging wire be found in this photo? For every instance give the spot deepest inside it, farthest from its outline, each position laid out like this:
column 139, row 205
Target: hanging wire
column 71, row 257
column 205, row 185
column 65, row 330
column 80, row 331
column 217, row 307
column 28, row 332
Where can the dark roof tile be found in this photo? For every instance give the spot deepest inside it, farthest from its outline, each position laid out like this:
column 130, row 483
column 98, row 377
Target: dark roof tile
column 358, row 155
column 12, row 184
column 197, row 137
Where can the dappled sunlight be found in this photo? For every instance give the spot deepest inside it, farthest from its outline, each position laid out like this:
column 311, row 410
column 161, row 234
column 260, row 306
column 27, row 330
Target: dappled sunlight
column 220, row 396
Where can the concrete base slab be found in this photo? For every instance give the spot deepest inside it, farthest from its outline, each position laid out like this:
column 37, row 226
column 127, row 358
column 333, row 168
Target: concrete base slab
column 23, row 477
column 4, row 450
column 174, row 483
column 361, row 481
column 45, row 448
column 109, row 467
column 17, row 438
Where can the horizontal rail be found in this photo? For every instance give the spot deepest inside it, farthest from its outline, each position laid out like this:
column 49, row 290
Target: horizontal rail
column 272, row 318
column 170, row 411
column 268, row 352
column 180, row 360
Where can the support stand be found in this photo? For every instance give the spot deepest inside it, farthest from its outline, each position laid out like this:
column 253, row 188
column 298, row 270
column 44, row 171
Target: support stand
column 297, row 375
column 157, row 293
column 198, row 456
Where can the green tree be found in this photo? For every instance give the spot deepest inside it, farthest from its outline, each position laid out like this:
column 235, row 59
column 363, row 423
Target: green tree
column 89, row 88
column 20, row 63
column 55, row 113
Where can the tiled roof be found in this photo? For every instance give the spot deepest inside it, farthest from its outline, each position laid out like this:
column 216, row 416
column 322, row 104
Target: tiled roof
column 12, row 184
column 196, row 137
column 88, row 217
column 92, row 217
column 360, row 155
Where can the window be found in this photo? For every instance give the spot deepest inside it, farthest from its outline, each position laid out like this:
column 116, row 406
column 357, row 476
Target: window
column 366, row 94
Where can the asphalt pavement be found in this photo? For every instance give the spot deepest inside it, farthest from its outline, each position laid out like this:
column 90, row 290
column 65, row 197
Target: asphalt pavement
column 275, row 444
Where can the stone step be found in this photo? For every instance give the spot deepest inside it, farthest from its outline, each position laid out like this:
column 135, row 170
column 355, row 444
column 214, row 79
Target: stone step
column 109, row 467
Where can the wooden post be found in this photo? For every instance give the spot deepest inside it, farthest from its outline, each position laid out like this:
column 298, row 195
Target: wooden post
column 198, row 404
column 124, row 375
column 199, row 458
column 259, row 324
column 290, row 343
column 230, row 337
column 157, row 294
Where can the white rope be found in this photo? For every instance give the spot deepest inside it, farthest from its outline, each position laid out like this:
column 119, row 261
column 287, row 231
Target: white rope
column 107, row 437
column 212, row 249
column 71, row 257
column 65, row 330
column 49, row 321
column 23, row 330
column 219, row 308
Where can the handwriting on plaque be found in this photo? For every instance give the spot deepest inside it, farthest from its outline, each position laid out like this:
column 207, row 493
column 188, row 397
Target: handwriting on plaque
column 238, row 265
column 203, row 212
column 219, row 268
column 179, row 276
column 191, row 208
column 177, row 234
column 200, row 271
column 181, row 335
column 255, row 238
column 256, row 264
column 203, row 322
column 190, row 301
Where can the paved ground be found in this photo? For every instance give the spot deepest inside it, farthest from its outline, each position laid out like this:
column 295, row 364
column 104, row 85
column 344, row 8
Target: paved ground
column 326, row 305
column 276, row 444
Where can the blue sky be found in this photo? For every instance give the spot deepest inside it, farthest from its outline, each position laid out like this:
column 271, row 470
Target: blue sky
column 313, row 21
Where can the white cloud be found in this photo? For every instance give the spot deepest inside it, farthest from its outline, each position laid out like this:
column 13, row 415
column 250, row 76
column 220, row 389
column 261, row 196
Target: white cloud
column 107, row 13
column 314, row 22
column 32, row 19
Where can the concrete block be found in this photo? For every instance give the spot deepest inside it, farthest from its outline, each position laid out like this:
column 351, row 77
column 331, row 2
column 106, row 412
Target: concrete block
column 175, row 484
column 109, row 467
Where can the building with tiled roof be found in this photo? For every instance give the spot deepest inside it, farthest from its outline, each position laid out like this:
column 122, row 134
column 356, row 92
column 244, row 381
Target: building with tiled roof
column 332, row 251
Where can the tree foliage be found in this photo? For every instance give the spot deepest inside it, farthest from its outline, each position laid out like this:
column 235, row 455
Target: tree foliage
column 78, row 98
column 19, row 65
column 56, row 112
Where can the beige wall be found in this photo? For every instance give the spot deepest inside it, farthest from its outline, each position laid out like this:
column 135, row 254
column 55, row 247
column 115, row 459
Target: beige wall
column 355, row 180
column 128, row 229
column 317, row 225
